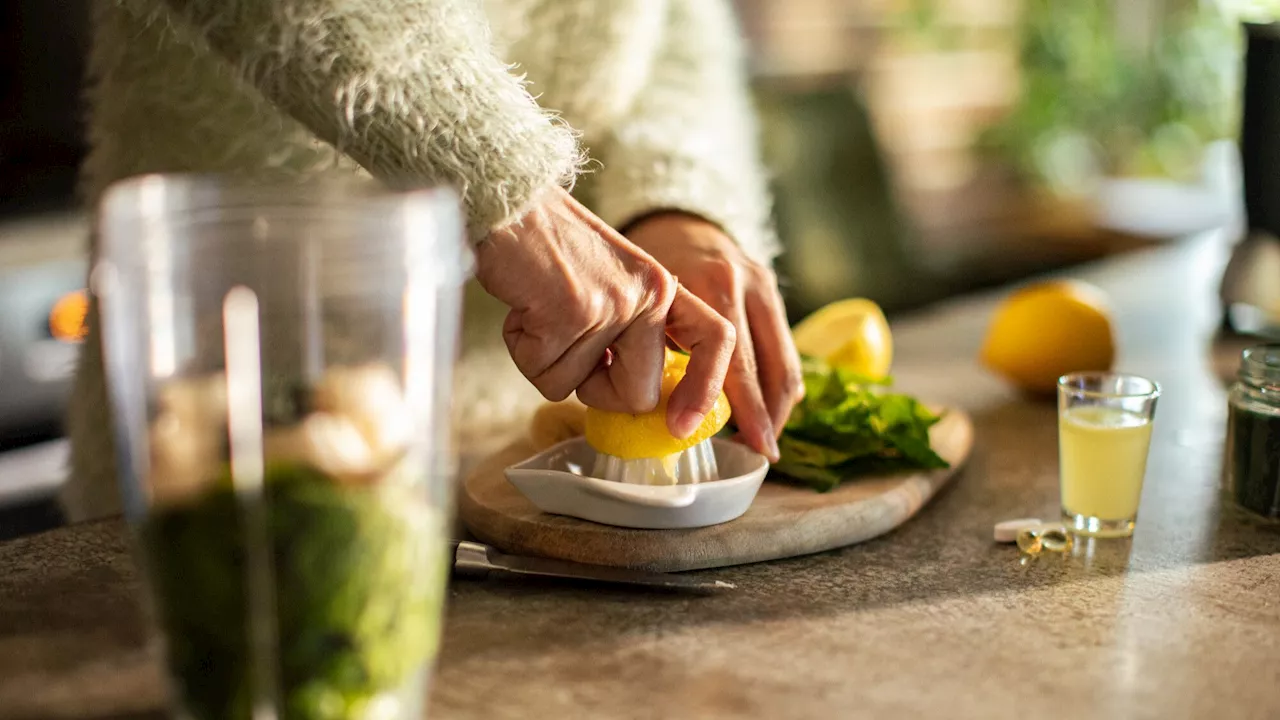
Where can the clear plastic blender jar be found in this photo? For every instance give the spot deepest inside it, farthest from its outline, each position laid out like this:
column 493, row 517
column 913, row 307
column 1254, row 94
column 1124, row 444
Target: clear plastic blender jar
column 279, row 362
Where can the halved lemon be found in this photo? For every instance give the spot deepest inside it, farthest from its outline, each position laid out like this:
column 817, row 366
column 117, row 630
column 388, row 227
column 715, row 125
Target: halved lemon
column 852, row 334
column 644, row 436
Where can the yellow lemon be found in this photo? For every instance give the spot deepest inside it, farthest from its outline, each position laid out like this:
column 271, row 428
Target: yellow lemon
column 852, row 334
column 1047, row 330
column 554, row 423
column 634, row 437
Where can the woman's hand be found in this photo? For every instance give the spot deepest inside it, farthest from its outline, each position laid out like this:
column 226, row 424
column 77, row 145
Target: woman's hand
column 764, row 381
column 591, row 313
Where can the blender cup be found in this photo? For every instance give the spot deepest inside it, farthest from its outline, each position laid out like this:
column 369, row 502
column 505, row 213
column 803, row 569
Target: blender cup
column 279, row 361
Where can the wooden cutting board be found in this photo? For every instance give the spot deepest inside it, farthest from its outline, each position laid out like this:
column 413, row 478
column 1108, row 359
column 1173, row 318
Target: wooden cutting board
column 784, row 521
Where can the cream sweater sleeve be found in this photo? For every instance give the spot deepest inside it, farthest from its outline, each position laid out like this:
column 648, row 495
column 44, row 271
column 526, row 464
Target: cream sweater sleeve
column 689, row 142
column 411, row 91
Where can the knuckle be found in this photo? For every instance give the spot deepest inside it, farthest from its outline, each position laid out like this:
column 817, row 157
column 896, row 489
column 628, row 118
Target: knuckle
column 756, row 268
column 723, row 332
column 660, row 285
column 744, row 358
column 723, row 300
column 722, row 271
column 583, row 311
column 793, row 387
column 763, row 274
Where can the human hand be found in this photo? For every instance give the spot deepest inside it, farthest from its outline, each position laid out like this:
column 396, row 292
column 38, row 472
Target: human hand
column 591, row 313
column 764, row 380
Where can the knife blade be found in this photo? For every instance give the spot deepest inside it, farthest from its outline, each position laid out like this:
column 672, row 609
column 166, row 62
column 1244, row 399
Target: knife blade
column 476, row 560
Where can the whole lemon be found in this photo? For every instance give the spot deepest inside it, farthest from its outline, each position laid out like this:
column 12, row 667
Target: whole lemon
column 852, row 334
column 643, row 436
column 1046, row 330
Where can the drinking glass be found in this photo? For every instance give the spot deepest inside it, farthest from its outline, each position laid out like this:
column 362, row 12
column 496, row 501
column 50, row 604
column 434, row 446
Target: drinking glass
column 1104, row 435
column 279, row 361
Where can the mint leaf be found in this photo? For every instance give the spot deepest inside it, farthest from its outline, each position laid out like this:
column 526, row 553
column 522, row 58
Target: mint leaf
column 849, row 425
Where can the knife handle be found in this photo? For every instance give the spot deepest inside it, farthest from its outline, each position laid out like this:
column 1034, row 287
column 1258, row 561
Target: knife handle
column 470, row 559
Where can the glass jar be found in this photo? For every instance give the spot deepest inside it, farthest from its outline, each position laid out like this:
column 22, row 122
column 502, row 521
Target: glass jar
column 1253, row 433
column 279, row 362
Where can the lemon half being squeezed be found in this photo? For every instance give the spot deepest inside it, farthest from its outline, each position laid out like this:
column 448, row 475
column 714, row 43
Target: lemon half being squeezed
column 645, row 435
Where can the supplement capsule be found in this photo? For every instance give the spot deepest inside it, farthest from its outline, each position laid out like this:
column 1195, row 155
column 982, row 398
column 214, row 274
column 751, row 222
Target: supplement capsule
column 1007, row 531
column 1029, row 541
column 1054, row 538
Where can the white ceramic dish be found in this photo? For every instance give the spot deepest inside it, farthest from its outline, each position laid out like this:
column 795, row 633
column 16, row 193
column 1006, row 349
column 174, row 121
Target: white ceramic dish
column 555, row 481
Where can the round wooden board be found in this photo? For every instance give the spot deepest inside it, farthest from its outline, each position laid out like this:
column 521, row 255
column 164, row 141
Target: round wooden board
column 784, row 521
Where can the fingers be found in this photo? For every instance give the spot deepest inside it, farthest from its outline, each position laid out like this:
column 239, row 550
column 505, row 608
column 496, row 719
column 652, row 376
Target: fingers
column 533, row 353
column 564, row 274
column 709, row 338
column 632, row 382
column 610, row 351
column 584, row 359
column 742, row 383
column 781, row 380
column 554, row 363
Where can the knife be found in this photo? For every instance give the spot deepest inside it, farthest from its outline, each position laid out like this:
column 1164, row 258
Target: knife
column 475, row 560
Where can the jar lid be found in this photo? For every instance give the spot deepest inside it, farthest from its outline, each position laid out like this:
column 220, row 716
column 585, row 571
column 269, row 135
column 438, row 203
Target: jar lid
column 1260, row 366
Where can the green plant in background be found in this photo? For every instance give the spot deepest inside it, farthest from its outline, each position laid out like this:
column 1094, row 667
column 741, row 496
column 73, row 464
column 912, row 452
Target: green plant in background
column 1113, row 87
column 1252, row 10
column 924, row 23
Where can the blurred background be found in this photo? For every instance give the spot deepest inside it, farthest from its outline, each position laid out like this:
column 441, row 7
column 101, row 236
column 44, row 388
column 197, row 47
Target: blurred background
column 976, row 141
column 920, row 149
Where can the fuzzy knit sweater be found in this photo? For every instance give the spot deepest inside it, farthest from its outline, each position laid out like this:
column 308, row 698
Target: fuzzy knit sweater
column 641, row 103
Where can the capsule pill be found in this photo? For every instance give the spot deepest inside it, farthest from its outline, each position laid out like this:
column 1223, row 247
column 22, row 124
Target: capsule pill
column 1007, row 531
column 1029, row 541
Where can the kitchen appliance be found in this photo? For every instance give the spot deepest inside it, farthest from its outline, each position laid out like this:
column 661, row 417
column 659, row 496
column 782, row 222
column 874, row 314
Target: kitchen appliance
column 557, row 482
column 42, row 277
column 279, row 360
column 1250, row 289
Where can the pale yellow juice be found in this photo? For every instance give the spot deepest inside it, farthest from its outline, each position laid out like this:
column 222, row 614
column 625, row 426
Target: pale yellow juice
column 1102, row 454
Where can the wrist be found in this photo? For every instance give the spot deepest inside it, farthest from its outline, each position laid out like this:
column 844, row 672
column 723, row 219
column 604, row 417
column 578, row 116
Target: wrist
column 667, row 218
column 515, row 232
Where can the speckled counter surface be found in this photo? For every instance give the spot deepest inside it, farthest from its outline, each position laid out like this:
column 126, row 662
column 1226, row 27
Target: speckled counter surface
column 932, row 620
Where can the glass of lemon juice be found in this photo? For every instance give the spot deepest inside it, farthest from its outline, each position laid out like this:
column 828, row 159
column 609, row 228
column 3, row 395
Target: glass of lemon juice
column 1104, row 434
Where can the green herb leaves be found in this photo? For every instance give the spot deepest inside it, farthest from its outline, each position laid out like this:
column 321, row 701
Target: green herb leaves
column 849, row 425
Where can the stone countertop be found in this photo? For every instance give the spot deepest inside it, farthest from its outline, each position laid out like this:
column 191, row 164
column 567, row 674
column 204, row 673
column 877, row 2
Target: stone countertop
column 931, row 620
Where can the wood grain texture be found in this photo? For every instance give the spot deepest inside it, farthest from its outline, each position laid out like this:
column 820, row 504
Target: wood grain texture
column 784, row 521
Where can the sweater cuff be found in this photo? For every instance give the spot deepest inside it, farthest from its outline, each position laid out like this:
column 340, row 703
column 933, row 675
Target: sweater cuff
column 548, row 158
column 631, row 190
